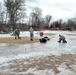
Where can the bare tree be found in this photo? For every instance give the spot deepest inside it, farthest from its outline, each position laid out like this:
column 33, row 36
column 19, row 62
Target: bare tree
column 71, row 24
column 36, row 17
column 1, row 17
column 60, row 24
column 1, row 14
column 15, row 10
column 47, row 20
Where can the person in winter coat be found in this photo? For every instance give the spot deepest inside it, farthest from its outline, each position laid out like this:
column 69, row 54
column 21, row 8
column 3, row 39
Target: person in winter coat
column 31, row 30
column 17, row 33
column 62, row 39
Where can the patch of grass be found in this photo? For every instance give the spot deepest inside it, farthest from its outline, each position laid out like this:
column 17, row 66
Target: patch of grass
column 23, row 40
column 29, row 74
column 49, row 34
column 12, row 40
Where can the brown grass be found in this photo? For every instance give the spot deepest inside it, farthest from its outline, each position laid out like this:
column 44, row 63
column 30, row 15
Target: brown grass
column 23, row 40
column 49, row 34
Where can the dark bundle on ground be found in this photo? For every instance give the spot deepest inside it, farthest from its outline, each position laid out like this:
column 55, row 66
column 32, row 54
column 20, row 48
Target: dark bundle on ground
column 47, row 38
column 44, row 40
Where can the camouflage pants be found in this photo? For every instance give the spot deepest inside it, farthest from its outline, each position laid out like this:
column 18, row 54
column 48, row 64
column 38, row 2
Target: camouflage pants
column 31, row 36
column 16, row 36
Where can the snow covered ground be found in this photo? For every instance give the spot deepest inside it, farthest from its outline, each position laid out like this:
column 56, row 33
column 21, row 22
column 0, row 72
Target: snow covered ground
column 36, row 51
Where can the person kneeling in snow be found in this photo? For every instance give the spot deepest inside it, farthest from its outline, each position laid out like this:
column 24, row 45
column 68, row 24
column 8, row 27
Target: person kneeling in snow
column 62, row 38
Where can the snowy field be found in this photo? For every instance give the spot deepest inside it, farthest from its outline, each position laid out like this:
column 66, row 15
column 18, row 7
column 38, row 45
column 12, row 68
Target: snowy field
column 51, row 58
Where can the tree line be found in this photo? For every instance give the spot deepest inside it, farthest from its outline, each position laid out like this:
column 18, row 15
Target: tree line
column 14, row 16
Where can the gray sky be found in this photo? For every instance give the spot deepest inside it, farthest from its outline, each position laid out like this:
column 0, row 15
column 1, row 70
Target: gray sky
column 63, row 9
column 58, row 9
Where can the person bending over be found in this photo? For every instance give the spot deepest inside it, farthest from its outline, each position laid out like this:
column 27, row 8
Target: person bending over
column 62, row 39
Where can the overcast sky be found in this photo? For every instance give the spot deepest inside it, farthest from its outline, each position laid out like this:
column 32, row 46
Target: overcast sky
column 63, row 9
column 58, row 9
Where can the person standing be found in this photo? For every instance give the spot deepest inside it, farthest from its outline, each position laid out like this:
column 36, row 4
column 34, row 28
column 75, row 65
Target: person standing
column 31, row 30
column 17, row 33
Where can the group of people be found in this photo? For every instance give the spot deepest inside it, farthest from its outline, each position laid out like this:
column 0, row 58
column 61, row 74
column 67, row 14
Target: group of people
column 17, row 33
column 42, row 40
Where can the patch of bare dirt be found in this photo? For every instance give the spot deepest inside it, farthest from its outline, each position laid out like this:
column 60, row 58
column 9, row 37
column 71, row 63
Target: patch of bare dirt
column 42, row 63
